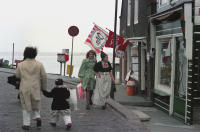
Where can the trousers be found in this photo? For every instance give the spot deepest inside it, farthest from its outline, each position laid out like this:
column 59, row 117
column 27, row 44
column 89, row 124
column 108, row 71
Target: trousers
column 27, row 116
column 65, row 114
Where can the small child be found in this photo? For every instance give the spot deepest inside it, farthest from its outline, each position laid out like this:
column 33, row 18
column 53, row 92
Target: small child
column 60, row 106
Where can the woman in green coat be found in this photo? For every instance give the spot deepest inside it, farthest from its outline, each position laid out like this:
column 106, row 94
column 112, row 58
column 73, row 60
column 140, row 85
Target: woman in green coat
column 87, row 76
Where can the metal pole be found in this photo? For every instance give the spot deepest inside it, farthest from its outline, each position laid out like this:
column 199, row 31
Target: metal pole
column 114, row 45
column 64, row 67
column 70, row 75
column 13, row 54
column 60, row 68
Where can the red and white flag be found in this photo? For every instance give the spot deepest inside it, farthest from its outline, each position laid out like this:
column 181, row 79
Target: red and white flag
column 110, row 41
column 97, row 39
column 120, row 49
column 121, row 44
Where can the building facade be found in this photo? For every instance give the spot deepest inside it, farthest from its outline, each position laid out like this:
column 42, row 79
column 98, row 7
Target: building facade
column 164, row 53
column 134, row 25
column 174, row 44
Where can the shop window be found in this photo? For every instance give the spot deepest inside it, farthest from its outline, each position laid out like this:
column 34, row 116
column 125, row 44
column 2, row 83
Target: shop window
column 165, row 61
column 129, row 13
column 181, row 68
column 136, row 11
column 134, row 60
column 162, row 3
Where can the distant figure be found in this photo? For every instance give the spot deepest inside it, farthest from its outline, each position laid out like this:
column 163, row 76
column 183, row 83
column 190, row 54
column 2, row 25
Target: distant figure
column 104, row 77
column 60, row 106
column 33, row 79
column 87, row 76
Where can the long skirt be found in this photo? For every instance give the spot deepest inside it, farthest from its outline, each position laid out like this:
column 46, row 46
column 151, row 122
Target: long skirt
column 102, row 90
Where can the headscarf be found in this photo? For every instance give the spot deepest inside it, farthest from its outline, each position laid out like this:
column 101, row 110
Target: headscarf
column 103, row 55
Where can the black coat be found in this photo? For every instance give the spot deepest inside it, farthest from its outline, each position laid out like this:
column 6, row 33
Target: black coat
column 60, row 95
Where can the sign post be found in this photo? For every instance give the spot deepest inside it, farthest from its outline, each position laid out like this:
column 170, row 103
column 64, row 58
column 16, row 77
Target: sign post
column 73, row 31
column 66, row 52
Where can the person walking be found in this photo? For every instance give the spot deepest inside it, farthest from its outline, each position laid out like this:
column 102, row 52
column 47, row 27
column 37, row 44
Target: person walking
column 104, row 77
column 87, row 76
column 60, row 106
column 33, row 79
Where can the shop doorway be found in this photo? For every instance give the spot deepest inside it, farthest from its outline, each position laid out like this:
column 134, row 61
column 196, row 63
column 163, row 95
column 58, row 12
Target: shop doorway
column 180, row 78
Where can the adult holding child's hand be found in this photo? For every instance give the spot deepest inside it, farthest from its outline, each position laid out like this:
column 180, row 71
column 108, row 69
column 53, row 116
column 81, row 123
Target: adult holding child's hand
column 33, row 80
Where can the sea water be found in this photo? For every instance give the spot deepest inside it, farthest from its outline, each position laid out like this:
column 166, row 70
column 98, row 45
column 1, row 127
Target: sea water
column 50, row 63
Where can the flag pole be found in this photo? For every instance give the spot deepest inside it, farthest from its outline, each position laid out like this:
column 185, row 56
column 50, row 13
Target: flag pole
column 13, row 52
column 113, row 89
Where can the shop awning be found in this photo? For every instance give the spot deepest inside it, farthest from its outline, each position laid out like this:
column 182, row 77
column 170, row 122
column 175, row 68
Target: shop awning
column 136, row 39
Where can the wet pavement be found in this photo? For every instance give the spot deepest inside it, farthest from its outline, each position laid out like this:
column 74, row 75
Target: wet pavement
column 94, row 120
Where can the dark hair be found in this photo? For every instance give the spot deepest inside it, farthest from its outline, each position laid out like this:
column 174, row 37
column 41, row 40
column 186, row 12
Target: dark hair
column 30, row 52
column 91, row 51
column 103, row 55
column 59, row 81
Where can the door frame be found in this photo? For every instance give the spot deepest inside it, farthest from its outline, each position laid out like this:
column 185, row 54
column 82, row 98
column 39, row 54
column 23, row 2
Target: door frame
column 168, row 90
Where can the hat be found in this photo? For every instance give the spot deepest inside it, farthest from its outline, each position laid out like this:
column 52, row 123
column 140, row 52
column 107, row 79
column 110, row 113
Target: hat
column 103, row 55
column 59, row 81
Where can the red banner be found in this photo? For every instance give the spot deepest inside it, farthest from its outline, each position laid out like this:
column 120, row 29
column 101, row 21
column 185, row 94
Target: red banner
column 121, row 44
column 110, row 41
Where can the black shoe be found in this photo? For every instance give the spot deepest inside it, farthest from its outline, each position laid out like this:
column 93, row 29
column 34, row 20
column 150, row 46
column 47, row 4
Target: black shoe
column 53, row 124
column 91, row 103
column 25, row 127
column 87, row 107
column 18, row 97
column 38, row 122
column 103, row 107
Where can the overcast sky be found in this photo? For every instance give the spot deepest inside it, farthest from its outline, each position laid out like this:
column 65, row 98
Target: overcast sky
column 44, row 23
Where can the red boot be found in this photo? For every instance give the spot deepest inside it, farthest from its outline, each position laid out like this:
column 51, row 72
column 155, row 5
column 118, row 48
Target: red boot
column 69, row 125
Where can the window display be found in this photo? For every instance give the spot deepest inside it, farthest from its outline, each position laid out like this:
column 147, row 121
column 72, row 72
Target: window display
column 165, row 61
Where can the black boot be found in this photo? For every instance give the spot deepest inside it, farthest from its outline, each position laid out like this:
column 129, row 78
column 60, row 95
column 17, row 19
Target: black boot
column 91, row 93
column 87, row 107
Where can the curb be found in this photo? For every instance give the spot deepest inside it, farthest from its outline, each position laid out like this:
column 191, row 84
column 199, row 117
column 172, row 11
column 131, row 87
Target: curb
column 141, row 103
column 131, row 115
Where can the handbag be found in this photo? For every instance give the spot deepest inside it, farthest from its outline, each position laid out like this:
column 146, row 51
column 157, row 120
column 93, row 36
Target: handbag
column 73, row 98
column 13, row 80
column 80, row 91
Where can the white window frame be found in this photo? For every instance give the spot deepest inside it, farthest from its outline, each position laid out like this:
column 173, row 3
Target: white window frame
column 136, row 11
column 129, row 13
column 165, row 4
column 162, row 5
column 158, row 86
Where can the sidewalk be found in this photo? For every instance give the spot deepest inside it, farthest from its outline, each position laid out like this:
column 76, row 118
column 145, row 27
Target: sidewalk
column 135, row 107
column 123, row 98
column 161, row 122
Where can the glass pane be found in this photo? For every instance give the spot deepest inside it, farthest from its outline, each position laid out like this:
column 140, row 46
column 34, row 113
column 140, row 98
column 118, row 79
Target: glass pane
column 181, row 66
column 165, row 61
column 135, row 60
column 135, row 67
column 162, row 2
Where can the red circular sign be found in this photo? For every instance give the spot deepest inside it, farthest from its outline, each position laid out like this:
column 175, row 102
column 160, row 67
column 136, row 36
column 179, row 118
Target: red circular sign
column 73, row 31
